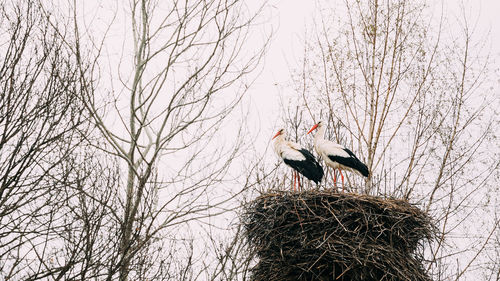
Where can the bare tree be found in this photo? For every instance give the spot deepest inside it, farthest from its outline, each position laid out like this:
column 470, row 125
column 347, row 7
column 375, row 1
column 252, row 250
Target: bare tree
column 185, row 73
column 409, row 98
column 65, row 210
column 44, row 167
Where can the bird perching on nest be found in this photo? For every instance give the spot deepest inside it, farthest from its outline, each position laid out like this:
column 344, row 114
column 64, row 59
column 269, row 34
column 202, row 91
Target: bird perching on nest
column 300, row 159
column 336, row 156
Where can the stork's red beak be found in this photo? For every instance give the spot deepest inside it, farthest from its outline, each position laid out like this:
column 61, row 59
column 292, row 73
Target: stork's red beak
column 277, row 134
column 312, row 129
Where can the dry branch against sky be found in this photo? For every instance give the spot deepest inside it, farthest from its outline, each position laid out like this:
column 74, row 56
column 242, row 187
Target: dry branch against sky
column 293, row 18
column 152, row 122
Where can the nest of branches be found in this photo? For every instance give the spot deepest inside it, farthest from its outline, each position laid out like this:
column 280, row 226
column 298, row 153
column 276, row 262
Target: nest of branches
column 324, row 235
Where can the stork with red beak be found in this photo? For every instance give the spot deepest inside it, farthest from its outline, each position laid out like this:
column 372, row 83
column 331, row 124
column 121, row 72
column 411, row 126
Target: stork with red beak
column 300, row 159
column 336, row 156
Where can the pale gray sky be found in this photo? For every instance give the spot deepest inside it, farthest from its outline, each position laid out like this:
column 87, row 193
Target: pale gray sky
column 290, row 19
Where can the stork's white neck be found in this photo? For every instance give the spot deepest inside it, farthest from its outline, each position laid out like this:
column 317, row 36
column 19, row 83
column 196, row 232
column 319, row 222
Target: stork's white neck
column 278, row 141
column 321, row 133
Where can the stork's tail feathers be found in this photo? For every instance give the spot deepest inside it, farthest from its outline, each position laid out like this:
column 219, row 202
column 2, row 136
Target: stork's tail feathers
column 315, row 171
column 357, row 166
column 316, row 174
column 363, row 169
column 310, row 169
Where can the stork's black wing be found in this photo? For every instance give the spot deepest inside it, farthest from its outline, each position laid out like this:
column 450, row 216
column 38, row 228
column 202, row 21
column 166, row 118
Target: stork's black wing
column 309, row 167
column 352, row 162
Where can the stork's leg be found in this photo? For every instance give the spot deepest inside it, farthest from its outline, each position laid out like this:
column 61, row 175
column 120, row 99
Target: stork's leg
column 293, row 176
column 342, row 179
column 334, row 178
column 298, row 179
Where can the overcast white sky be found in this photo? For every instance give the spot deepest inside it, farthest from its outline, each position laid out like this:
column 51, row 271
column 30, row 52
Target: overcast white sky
column 289, row 19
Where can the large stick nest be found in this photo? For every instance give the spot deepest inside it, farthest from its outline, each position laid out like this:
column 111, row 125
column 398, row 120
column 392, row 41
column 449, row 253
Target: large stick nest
column 323, row 235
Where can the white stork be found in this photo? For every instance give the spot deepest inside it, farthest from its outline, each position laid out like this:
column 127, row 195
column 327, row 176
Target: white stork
column 335, row 155
column 301, row 160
